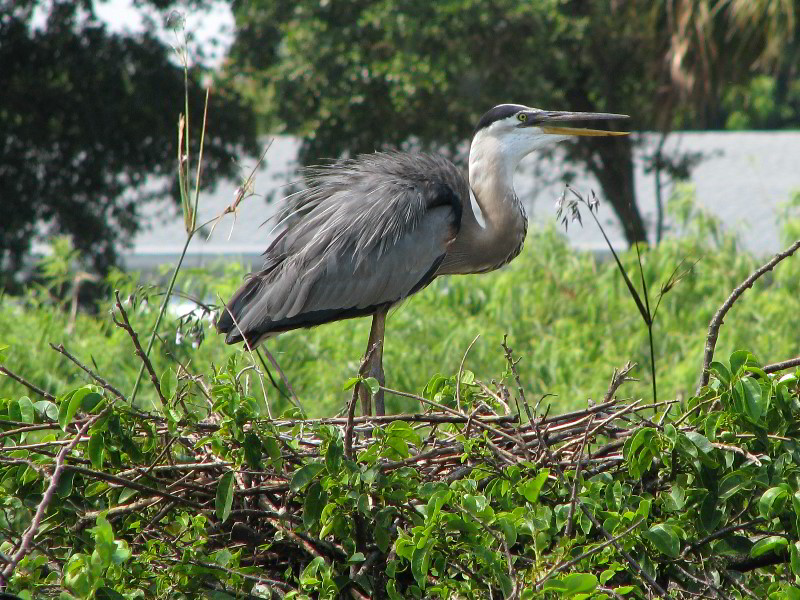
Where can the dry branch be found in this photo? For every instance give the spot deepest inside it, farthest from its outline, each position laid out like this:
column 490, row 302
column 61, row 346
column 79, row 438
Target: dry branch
column 719, row 316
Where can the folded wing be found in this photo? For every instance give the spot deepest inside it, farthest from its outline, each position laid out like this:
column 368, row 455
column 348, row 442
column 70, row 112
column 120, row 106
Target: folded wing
column 365, row 233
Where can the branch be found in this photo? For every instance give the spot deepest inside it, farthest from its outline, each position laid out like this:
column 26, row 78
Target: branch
column 103, row 383
column 27, row 538
column 126, row 325
column 35, row 389
column 631, row 561
column 577, row 559
column 782, row 366
column 717, row 320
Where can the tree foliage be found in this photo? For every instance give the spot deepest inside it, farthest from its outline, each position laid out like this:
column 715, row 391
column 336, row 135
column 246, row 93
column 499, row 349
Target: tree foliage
column 207, row 496
column 356, row 76
column 84, row 115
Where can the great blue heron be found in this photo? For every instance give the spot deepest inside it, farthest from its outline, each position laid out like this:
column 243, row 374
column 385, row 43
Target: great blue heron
column 368, row 232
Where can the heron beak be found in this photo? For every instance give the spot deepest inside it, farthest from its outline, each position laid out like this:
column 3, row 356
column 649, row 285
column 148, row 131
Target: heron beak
column 561, row 116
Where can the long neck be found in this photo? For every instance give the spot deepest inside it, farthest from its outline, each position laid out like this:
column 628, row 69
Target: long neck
column 478, row 248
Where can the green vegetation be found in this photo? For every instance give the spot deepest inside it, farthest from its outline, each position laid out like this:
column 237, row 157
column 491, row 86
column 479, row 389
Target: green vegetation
column 210, row 483
column 206, row 497
column 569, row 317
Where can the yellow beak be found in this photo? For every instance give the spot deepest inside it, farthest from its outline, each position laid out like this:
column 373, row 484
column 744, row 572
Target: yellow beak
column 579, row 131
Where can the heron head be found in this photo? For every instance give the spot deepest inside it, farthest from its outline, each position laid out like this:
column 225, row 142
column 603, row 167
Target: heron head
column 517, row 130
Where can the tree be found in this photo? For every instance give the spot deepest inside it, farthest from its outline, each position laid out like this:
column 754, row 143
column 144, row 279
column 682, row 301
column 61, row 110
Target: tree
column 355, row 76
column 87, row 117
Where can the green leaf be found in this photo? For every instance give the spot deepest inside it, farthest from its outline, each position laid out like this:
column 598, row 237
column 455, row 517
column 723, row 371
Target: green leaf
column 790, row 593
column 720, row 371
column 391, row 589
column 420, row 561
column 252, row 450
column 772, row 501
column 47, row 409
column 382, row 539
column 433, row 386
column 122, row 552
column 350, row 383
column 710, row 513
column 572, row 585
column 700, row 441
column 740, row 358
column 741, row 479
column 64, row 488
column 373, row 385
column 664, row 538
column 333, row 456
column 89, row 398
column 224, row 499
column 532, row 487
column 753, row 401
column 272, row 447
column 399, row 446
column 314, row 502
column 641, row 451
column 794, row 558
column 304, row 475
column 467, row 377
column 106, row 593
column 96, row 448
column 168, row 383
column 26, row 409
column 69, row 406
column 358, row 557
column 768, row 544
column 404, row 431
column 711, row 423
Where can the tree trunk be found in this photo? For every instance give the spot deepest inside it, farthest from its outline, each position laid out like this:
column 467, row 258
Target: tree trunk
column 614, row 171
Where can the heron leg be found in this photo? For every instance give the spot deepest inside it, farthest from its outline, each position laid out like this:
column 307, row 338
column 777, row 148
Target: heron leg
column 373, row 364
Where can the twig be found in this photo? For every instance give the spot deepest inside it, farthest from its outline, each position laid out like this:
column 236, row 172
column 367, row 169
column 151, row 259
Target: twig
column 250, row 352
column 285, row 379
column 574, row 494
column 480, row 424
column 32, row 387
column 631, row 561
column 27, row 428
column 134, row 485
column 720, row 533
column 27, row 538
column 461, row 372
column 617, row 379
column 126, row 325
column 500, row 539
column 348, row 430
column 103, row 383
column 719, row 316
column 116, row 510
column 429, row 418
column 577, row 559
column 782, row 366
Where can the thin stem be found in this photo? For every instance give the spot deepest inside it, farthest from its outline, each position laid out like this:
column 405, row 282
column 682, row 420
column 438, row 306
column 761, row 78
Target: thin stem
column 161, row 315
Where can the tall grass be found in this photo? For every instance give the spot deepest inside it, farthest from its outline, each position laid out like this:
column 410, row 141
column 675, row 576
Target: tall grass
column 568, row 315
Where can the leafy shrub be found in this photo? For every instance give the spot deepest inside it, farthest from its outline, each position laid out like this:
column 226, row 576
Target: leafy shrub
column 208, row 498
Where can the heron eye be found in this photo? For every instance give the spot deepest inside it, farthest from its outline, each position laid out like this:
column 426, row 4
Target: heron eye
column 522, row 117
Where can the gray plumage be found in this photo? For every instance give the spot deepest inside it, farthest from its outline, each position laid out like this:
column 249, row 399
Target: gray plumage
column 366, row 233
column 347, row 241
